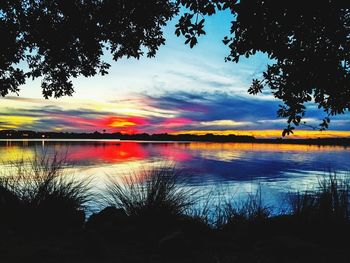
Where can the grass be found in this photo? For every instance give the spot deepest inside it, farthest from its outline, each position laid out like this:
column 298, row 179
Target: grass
column 38, row 192
column 250, row 210
column 329, row 202
column 158, row 191
column 221, row 206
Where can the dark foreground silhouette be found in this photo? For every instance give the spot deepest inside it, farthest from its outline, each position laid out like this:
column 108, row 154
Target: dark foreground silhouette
column 112, row 236
column 151, row 218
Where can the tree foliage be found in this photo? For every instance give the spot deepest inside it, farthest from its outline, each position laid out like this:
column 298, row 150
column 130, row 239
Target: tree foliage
column 309, row 43
column 61, row 39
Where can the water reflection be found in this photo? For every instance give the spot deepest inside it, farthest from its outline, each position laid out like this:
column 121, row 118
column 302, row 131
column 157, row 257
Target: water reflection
column 278, row 167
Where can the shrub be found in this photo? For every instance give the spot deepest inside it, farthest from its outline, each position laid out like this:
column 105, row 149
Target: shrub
column 158, row 191
column 38, row 192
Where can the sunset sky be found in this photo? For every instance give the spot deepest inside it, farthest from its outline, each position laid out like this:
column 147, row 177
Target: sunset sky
column 181, row 90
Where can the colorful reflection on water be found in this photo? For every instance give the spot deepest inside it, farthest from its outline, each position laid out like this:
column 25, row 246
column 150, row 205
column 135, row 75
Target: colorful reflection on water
column 277, row 168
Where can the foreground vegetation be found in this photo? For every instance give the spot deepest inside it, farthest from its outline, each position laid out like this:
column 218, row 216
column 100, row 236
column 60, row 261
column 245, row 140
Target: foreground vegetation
column 152, row 216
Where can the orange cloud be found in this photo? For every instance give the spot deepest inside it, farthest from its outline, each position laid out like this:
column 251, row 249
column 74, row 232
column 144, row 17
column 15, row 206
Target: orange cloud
column 119, row 122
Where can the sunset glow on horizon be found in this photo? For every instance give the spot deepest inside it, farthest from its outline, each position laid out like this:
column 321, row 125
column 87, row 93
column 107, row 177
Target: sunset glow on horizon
column 200, row 119
column 174, row 113
column 265, row 134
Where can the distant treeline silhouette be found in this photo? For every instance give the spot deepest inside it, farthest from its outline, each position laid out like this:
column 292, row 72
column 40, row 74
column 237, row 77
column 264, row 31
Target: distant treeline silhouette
column 25, row 134
column 20, row 134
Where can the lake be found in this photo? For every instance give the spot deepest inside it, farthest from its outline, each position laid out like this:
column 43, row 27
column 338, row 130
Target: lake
column 239, row 168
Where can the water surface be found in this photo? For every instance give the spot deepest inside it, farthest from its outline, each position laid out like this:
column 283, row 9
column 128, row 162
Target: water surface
column 240, row 167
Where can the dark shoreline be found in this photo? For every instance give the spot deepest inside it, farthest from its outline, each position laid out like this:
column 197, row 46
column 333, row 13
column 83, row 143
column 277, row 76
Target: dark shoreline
column 313, row 231
column 30, row 135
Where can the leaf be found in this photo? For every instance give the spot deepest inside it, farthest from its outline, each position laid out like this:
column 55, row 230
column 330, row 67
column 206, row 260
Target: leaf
column 193, row 42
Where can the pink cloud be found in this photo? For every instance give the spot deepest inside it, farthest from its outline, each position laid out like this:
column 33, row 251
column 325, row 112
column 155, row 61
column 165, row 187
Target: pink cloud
column 176, row 122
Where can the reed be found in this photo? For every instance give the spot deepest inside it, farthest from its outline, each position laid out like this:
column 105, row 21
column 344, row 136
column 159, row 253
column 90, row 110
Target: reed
column 158, row 191
column 39, row 192
column 329, row 202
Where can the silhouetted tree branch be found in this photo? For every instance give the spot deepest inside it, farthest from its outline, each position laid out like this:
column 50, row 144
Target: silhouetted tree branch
column 62, row 39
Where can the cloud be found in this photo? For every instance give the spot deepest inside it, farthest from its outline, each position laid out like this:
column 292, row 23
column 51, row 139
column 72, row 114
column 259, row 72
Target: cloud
column 207, row 79
column 13, row 121
column 207, row 107
column 223, row 110
column 175, row 111
column 225, row 123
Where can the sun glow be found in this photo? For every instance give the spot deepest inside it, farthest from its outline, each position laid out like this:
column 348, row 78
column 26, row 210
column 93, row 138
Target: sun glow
column 121, row 123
